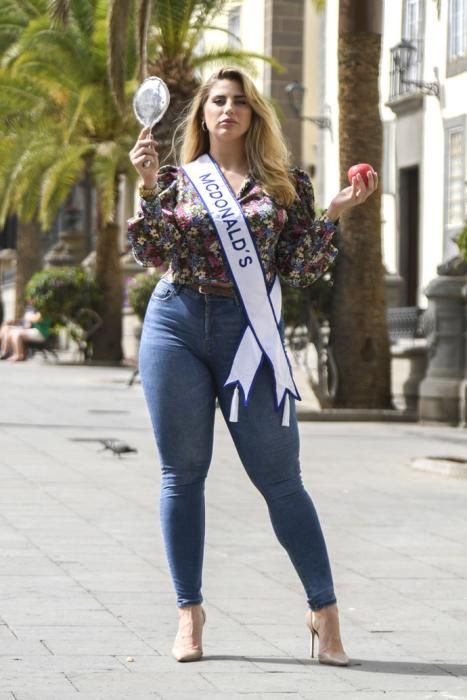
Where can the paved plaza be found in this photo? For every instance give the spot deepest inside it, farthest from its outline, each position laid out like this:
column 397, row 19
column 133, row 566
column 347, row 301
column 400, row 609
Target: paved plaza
column 86, row 604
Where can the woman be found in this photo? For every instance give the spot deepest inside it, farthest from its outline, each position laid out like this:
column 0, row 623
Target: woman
column 227, row 222
column 15, row 336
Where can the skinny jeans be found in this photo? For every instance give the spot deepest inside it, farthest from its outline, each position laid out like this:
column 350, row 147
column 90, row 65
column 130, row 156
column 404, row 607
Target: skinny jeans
column 187, row 347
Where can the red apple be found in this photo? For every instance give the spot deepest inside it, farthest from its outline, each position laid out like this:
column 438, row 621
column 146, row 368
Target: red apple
column 362, row 169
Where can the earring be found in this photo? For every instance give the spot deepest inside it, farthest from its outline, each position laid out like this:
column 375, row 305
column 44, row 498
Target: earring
column 203, row 125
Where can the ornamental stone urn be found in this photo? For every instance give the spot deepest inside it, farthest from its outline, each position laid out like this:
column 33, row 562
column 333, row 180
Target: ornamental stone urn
column 70, row 248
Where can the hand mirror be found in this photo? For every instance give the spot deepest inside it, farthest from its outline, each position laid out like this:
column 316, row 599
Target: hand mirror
column 150, row 103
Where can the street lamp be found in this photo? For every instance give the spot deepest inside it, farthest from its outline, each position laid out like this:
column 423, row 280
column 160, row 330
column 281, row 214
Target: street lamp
column 404, row 54
column 295, row 93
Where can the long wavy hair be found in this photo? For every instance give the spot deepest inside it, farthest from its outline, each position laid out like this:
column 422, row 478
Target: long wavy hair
column 267, row 154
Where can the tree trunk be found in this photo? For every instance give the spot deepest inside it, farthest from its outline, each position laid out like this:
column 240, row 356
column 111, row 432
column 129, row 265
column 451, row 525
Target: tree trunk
column 107, row 342
column 28, row 260
column 359, row 332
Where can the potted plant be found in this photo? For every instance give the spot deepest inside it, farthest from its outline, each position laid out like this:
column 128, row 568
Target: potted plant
column 461, row 242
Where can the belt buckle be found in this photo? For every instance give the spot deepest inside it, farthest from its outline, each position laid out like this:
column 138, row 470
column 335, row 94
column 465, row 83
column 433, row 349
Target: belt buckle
column 201, row 290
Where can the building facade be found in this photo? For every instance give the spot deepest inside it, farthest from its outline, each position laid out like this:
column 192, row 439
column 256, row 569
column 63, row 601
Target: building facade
column 424, row 111
column 423, row 89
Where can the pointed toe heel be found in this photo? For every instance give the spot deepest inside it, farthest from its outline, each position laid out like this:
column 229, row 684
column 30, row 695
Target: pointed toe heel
column 184, row 656
column 185, row 649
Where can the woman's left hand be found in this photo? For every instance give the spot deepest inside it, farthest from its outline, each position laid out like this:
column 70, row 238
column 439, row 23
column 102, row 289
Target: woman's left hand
column 356, row 193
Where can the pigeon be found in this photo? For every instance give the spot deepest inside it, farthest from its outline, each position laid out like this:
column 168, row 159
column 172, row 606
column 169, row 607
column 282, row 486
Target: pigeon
column 118, row 447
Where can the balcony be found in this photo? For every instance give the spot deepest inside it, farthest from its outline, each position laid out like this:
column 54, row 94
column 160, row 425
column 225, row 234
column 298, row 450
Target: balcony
column 407, row 88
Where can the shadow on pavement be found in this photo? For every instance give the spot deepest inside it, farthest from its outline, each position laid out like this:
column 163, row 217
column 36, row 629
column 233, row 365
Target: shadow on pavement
column 402, row 668
column 409, row 668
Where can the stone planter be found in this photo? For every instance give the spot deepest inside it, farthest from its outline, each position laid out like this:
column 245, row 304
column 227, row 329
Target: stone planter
column 441, row 389
column 408, row 368
column 463, row 385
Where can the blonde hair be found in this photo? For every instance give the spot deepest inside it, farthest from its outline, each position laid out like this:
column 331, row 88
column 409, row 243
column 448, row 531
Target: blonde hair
column 266, row 152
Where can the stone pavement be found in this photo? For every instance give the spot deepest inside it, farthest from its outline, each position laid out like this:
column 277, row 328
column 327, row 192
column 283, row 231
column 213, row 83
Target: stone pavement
column 86, row 605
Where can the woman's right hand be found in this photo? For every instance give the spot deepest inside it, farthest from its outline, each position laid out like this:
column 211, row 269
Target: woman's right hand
column 143, row 151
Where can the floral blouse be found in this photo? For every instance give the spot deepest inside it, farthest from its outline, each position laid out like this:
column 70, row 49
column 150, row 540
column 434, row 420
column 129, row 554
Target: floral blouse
column 174, row 229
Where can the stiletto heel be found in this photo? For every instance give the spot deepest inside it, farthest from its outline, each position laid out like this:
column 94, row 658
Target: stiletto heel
column 330, row 658
column 312, row 643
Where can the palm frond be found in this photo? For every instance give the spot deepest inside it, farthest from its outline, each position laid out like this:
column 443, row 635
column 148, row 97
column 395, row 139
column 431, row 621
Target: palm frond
column 59, row 11
column 31, row 8
column 72, row 123
column 83, row 14
column 24, row 156
column 21, row 98
column 177, row 20
column 11, row 11
column 58, row 180
column 195, row 35
column 243, row 59
column 14, row 49
column 12, row 22
column 48, row 73
column 41, row 41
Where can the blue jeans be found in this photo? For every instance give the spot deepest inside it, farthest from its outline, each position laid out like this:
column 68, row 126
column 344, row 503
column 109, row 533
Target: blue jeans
column 187, row 347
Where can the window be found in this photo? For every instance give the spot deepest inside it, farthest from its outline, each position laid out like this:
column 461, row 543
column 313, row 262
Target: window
column 233, row 23
column 412, row 31
column 457, row 41
column 455, row 209
column 455, row 178
column 412, row 28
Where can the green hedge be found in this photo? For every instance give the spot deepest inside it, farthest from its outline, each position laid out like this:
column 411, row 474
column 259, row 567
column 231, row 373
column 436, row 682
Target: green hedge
column 60, row 292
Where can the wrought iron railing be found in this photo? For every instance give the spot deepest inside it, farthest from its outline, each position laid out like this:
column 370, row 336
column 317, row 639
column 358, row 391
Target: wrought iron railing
column 406, row 69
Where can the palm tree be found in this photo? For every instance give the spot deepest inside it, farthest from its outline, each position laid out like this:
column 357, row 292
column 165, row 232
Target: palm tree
column 80, row 129
column 14, row 18
column 358, row 320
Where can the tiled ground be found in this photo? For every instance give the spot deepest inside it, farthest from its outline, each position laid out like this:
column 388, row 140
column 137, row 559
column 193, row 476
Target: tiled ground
column 83, row 579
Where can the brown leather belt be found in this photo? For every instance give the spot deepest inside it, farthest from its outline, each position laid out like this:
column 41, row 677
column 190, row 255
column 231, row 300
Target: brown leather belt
column 212, row 290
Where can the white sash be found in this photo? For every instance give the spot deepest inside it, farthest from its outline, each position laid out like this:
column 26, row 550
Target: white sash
column 263, row 309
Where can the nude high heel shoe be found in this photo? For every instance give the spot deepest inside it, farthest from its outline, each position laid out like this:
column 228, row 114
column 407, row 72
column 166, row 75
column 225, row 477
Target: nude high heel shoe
column 330, row 658
column 188, row 644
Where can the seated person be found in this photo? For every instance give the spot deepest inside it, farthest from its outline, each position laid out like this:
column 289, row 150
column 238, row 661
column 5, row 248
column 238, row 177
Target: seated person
column 14, row 335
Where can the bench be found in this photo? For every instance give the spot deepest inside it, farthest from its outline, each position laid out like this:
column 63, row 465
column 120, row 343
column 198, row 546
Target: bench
column 405, row 323
column 45, row 347
column 408, row 330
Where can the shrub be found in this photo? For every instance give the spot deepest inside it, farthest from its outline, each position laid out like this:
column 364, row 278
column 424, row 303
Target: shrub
column 60, row 292
column 140, row 288
column 461, row 242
